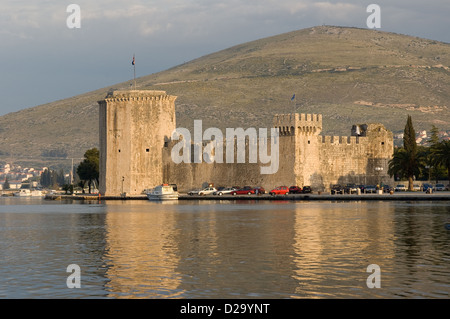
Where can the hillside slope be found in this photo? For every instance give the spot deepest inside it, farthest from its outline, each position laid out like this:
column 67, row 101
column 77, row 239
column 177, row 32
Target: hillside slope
column 349, row 75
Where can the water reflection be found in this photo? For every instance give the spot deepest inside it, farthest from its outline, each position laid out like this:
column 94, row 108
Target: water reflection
column 140, row 260
column 225, row 249
column 311, row 250
column 334, row 244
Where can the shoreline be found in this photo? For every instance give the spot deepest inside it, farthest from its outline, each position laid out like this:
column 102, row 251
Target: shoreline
column 440, row 196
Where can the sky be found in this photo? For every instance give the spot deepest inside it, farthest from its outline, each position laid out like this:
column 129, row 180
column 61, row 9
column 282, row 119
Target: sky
column 45, row 56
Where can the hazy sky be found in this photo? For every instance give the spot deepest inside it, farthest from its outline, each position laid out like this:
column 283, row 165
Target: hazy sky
column 42, row 60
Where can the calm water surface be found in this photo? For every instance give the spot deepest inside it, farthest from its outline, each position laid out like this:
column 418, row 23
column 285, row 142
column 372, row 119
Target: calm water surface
column 229, row 249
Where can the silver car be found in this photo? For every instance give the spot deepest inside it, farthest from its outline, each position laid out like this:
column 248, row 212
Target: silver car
column 207, row 191
column 221, row 192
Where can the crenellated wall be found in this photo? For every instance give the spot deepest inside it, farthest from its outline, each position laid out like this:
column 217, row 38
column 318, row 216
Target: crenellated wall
column 136, row 151
column 357, row 159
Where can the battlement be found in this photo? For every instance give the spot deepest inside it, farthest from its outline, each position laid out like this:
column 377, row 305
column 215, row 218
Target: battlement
column 137, row 95
column 341, row 140
column 289, row 124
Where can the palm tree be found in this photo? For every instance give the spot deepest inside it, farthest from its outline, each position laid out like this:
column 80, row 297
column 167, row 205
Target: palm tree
column 404, row 165
column 441, row 156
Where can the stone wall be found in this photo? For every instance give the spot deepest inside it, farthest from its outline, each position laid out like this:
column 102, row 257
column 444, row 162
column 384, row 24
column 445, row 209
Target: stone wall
column 136, row 151
column 306, row 159
column 189, row 176
column 134, row 125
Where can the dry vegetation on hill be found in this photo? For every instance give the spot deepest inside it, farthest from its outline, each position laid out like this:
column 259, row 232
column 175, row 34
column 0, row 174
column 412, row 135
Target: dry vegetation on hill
column 349, row 75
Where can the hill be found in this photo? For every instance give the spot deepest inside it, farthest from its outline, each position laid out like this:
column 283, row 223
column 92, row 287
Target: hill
column 349, row 75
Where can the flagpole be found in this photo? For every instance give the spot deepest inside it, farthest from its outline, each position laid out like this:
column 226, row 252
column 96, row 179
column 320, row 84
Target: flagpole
column 134, row 65
column 293, row 103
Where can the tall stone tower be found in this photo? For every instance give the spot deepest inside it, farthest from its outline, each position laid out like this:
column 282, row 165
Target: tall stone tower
column 300, row 140
column 134, row 126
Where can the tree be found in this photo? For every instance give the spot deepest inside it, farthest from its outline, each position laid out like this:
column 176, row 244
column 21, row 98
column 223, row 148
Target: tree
column 409, row 137
column 46, row 179
column 6, row 184
column 405, row 162
column 441, row 156
column 401, row 166
column 60, row 177
column 410, row 145
column 436, row 169
column 434, row 138
column 88, row 170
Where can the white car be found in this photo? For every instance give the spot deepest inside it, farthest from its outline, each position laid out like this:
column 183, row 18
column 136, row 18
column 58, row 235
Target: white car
column 194, row 192
column 416, row 187
column 207, row 191
column 439, row 187
column 400, row 188
column 221, row 192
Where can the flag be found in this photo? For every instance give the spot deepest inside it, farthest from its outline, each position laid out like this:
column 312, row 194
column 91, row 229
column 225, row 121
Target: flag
column 132, row 63
column 293, row 97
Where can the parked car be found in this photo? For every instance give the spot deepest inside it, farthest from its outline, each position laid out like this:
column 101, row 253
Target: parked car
column 427, row 186
column 194, row 192
column 259, row 190
column 337, row 189
column 369, row 189
column 439, row 187
column 400, row 188
column 350, row 189
column 447, row 188
column 281, row 190
column 225, row 190
column 246, row 190
column 295, row 190
column 207, row 191
column 306, row 189
column 416, row 187
column 387, row 189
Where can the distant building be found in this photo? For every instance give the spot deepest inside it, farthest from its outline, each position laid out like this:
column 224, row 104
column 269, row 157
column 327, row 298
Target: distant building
column 15, row 184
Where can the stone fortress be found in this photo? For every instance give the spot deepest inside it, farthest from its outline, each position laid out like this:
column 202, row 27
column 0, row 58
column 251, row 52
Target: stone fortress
column 135, row 151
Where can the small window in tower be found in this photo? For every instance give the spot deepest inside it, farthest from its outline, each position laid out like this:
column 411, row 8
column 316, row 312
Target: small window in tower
column 382, row 143
column 166, row 144
column 119, row 151
column 147, row 150
column 309, row 142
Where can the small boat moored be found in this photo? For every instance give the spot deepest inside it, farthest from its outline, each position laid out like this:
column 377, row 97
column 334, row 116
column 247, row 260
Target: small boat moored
column 23, row 193
column 163, row 192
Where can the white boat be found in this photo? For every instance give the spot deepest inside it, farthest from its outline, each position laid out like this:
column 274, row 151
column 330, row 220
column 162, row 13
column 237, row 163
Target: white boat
column 163, row 192
column 36, row 193
column 28, row 193
column 23, row 193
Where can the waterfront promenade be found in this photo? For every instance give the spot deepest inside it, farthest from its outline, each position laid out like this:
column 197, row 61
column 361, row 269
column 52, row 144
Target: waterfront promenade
column 409, row 196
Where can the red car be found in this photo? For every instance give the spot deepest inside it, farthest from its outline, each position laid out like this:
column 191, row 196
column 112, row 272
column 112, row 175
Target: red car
column 295, row 190
column 247, row 190
column 281, row 190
